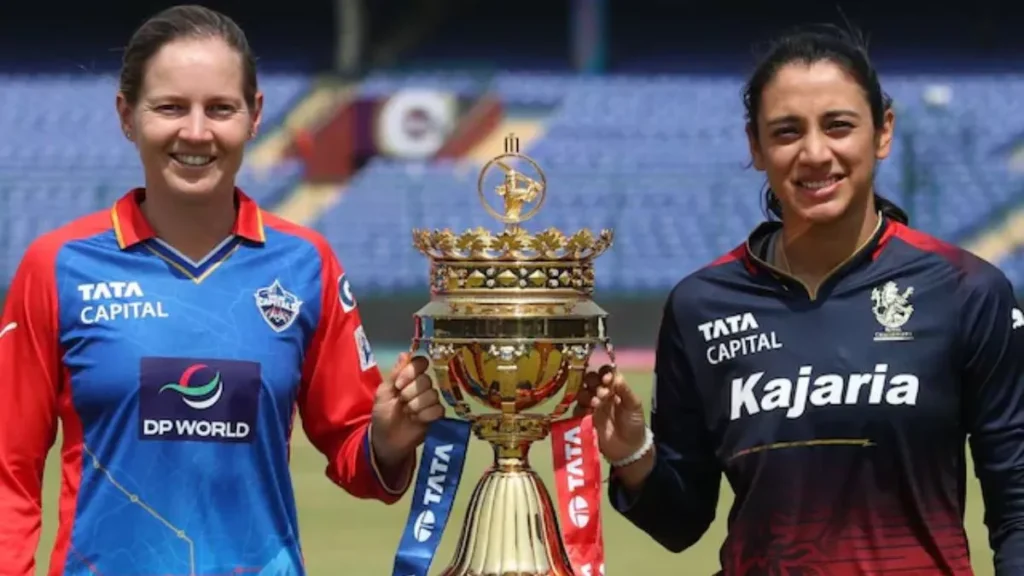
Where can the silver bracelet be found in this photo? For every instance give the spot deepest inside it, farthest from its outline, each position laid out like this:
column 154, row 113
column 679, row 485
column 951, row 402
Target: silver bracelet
column 644, row 449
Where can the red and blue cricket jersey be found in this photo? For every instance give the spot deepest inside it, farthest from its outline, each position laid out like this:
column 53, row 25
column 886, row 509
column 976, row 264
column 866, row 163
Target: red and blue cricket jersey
column 839, row 418
column 176, row 384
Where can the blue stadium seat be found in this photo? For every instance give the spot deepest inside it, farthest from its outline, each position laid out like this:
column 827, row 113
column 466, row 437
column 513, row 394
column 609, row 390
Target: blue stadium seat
column 63, row 154
column 458, row 83
column 663, row 160
column 1013, row 266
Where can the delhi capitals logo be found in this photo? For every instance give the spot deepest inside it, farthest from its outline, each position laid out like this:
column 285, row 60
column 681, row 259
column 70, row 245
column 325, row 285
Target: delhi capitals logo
column 197, row 397
column 278, row 306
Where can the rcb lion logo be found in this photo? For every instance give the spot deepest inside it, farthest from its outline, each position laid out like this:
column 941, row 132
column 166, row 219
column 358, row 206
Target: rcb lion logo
column 892, row 310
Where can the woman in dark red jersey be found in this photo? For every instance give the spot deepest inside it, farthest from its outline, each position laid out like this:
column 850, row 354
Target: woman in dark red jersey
column 832, row 366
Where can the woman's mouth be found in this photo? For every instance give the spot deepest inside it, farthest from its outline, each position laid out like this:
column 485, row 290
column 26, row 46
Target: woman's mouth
column 819, row 189
column 193, row 160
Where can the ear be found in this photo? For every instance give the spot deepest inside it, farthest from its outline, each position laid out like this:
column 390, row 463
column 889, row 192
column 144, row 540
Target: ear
column 125, row 115
column 885, row 134
column 755, row 149
column 257, row 115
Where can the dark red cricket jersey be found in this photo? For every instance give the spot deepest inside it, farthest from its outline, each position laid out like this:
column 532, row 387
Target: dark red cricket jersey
column 840, row 418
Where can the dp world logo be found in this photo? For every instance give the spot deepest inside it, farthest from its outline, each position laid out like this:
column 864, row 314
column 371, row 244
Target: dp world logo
column 203, row 400
column 197, row 397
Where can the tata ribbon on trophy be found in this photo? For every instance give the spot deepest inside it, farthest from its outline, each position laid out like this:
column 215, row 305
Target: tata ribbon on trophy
column 510, row 329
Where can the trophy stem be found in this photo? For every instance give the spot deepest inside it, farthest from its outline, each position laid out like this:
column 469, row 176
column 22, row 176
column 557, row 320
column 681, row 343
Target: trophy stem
column 511, row 523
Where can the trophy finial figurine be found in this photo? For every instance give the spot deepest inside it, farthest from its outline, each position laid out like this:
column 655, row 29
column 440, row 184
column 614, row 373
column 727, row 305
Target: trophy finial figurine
column 522, row 184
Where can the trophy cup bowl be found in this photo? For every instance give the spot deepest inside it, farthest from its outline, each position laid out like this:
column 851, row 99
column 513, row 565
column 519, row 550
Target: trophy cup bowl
column 510, row 329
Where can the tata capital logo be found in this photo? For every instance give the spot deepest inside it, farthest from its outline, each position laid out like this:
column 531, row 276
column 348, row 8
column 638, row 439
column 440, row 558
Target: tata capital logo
column 200, row 400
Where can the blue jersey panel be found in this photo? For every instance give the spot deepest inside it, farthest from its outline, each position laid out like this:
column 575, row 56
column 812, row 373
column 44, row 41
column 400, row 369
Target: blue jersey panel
column 184, row 379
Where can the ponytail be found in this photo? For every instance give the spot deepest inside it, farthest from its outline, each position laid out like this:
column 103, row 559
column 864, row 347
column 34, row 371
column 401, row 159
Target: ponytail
column 888, row 208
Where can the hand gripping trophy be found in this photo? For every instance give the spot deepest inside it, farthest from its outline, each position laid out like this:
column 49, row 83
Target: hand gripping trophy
column 510, row 327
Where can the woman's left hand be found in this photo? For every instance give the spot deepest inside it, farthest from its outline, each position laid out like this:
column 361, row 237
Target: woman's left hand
column 405, row 405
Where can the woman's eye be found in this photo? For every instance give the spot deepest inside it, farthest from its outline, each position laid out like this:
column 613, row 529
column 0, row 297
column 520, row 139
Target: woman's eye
column 222, row 109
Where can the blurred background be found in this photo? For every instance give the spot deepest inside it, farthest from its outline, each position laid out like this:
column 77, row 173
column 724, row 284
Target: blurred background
column 379, row 114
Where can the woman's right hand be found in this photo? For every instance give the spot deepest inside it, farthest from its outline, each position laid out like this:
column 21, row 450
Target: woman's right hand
column 618, row 413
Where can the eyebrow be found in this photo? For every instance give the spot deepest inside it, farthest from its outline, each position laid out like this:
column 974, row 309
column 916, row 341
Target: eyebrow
column 792, row 118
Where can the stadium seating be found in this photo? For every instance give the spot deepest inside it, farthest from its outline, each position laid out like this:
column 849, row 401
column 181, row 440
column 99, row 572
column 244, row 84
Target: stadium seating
column 461, row 84
column 63, row 154
column 1013, row 266
column 663, row 161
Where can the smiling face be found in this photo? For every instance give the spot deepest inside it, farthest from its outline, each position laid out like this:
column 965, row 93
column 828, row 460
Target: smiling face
column 817, row 143
column 191, row 121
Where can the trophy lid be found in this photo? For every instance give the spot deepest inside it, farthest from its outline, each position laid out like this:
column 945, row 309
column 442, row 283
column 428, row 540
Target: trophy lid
column 514, row 261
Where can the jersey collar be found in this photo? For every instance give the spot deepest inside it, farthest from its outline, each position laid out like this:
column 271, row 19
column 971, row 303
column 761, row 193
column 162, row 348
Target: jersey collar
column 131, row 226
column 757, row 260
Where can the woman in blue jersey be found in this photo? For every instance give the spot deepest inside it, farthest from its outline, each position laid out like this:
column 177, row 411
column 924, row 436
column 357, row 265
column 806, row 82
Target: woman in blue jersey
column 831, row 366
column 177, row 335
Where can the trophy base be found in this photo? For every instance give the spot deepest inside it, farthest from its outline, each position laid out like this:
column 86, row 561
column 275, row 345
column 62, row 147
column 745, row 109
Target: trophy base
column 511, row 527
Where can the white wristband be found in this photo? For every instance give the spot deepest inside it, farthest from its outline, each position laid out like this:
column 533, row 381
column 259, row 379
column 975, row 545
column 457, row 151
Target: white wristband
column 644, row 449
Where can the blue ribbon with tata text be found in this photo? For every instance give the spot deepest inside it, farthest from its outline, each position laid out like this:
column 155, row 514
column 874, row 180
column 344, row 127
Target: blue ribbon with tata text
column 437, row 481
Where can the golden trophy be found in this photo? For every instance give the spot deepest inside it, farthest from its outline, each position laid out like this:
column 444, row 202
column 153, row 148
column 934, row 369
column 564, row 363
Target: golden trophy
column 511, row 325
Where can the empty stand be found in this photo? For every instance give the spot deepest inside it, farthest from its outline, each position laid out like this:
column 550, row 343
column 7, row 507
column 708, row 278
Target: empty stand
column 459, row 83
column 661, row 159
column 664, row 161
column 63, row 154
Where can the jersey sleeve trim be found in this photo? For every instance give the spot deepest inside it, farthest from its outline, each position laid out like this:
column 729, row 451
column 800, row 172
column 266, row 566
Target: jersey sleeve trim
column 406, row 479
column 920, row 241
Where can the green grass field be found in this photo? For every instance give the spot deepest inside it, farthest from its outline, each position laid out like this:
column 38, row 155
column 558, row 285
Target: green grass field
column 342, row 535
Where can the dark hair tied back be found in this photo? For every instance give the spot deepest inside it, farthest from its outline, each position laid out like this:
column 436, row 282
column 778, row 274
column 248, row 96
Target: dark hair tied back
column 846, row 48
